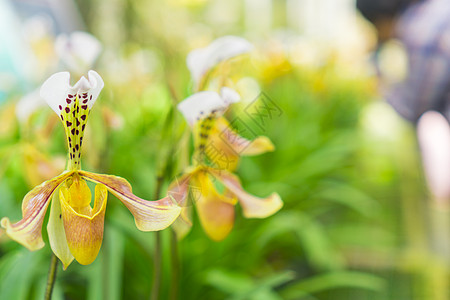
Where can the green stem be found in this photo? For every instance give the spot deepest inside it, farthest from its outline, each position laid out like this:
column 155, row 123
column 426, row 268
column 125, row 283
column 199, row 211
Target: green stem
column 157, row 254
column 175, row 266
column 51, row 277
column 156, row 267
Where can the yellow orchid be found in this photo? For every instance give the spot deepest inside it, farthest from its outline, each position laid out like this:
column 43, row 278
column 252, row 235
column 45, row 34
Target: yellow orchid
column 214, row 136
column 215, row 208
column 75, row 228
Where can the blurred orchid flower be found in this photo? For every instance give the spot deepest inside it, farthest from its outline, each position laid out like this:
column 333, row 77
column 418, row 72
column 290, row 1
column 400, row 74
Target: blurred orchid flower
column 213, row 135
column 75, row 228
column 215, row 208
column 78, row 51
column 201, row 61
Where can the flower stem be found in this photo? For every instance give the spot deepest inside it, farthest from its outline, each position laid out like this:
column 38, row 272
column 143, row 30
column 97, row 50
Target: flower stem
column 157, row 254
column 51, row 277
column 175, row 266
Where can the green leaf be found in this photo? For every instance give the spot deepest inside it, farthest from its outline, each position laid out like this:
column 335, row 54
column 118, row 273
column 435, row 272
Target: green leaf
column 334, row 280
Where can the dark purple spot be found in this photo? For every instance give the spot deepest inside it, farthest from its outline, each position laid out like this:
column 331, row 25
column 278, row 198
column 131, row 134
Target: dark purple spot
column 83, row 117
column 73, row 131
column 60, row 107
column 78, row 123
column 79, row 155
column 70, row 139
column 62, row 118
column 85, row 100
column 77, row 147
column 68, row 123
column 77, row 132
column 85, row 95
column 68, row 100
column 78, row 109
column 82, row 127
column 70, row 155
column 67, row 110
column 70, row 96
column 84, row 107
column 73, row 149
column 90, row 98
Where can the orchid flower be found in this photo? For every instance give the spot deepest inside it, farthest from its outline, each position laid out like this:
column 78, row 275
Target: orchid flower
column 78, row 51
column 75, row 228
column 215, row 208
column 214, row 137
column 201, row 61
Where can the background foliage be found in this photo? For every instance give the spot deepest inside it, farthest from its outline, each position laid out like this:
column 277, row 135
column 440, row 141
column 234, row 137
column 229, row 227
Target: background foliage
column 346, row 167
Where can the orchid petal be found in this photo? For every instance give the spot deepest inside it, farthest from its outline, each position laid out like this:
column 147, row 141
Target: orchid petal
column 34, row 206
column 200, row 105
column 78, row 51
column 200, row 61
column 215, row 211
column 225, row 146
column 240, row 145
column 253, row 207
column 229, row 95
column 28, row 104
column 57, row 89
column 148, row 215
column 57, row 235
column 179, row 191
column 84, row 226
column 73, row 105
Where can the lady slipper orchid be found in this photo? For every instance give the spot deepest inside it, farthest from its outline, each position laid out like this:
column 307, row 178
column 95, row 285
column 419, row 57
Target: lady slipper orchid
column 75, row 227
column 215, row 189
column 213, row 135
column 201, row 61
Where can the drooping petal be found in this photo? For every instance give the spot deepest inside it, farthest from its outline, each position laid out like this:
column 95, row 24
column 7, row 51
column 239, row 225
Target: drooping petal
column 84, row 227
column 57, row 235
column 215, row 211
column 225, row 146
column 148, row 215
column 73, row 105
column 253, row 207
column 200, row 105
column 78, row 51
column 200, row 61
column 28, row 230
column 240, row 145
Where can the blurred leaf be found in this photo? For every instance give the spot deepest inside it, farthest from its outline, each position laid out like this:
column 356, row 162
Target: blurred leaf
column 16, row 273
column 332, row 281
column 344, row 193
column 311, row 234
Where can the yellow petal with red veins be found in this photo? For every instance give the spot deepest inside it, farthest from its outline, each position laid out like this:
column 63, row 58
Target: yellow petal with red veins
column 83, row 226
column 148, row 215
column 34, row 206
column 215, row 211
column 253, row 207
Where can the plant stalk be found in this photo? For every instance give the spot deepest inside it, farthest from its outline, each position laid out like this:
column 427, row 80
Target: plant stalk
column 51, row 277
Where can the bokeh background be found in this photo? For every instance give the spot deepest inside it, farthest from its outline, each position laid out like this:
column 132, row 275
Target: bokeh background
column 355, row 222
